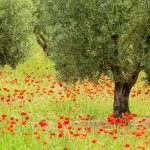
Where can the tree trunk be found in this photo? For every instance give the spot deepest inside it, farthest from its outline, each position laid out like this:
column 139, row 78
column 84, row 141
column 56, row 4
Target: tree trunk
column 41, row 41
column 121, row 99
column 122, row 92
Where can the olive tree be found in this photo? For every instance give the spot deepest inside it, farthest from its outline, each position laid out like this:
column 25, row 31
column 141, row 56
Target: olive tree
column 87, row 38
column 16, row 27
column 40, row 22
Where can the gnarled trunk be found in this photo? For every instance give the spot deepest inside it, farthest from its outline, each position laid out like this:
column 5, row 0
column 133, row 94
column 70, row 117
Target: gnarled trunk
column 122, row 92
column 121, row 99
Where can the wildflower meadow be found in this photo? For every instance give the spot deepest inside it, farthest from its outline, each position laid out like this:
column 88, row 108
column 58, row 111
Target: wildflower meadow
column 38, row 112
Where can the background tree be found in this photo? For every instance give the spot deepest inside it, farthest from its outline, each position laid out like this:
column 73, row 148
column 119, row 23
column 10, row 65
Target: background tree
column 16, row 28
column 40, row 22
column 88, row 38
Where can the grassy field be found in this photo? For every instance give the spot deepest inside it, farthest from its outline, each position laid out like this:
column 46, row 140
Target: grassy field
column 39, row 113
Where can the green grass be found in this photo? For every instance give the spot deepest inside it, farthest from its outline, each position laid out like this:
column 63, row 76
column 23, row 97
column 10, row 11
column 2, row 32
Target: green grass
column 41, row 100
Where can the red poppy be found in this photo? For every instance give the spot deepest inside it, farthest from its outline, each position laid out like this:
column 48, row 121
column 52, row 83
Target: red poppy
column 24, row 122
column 127, row 145
column 94, row 141
column 23, row 113
column 59, row 125
column 45, row 142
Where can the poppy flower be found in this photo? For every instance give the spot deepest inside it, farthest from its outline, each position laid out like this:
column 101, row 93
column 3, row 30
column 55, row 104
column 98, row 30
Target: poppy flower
column 94, row 140
column 23, row 113
column 38, row 137
column 127, row 145
column 24, row 122
column 59, row 125
column 45, row 142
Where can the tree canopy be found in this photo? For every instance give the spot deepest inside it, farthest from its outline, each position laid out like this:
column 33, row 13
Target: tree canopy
column 16, row 27
column 87, row 38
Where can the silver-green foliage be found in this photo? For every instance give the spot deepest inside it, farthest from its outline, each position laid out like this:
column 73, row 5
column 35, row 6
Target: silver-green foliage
column 16, row 27
column 86, row 38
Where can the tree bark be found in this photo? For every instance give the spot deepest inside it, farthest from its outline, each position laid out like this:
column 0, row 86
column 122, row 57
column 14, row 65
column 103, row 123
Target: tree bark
column 121, row 99
column 41, row 41
column 122, row 92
